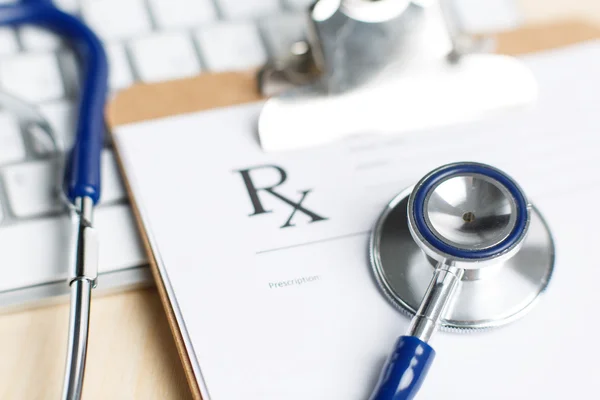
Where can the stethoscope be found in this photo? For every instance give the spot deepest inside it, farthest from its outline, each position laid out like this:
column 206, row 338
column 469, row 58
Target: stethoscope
column 440, row 252
column 81, row 184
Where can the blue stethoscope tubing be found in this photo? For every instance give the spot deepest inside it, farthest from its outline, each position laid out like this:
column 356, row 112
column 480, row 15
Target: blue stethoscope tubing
column 81, row 184
column 82, row 172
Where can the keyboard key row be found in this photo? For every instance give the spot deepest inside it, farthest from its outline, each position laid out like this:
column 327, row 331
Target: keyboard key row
column 33, row 252
column 118, row 19
column 165, row 56
column 281, row 30
column 32, row 188
column 223, row 46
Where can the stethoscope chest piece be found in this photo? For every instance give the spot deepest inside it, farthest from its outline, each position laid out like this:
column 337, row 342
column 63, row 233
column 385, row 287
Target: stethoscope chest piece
column 470, row 218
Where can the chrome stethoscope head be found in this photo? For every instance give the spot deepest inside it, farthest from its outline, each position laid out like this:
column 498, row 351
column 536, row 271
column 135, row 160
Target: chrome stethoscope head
column 473, row 221
column 469, row 215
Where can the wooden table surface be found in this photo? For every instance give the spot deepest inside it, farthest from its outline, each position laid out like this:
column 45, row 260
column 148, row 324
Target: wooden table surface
column 131, row 351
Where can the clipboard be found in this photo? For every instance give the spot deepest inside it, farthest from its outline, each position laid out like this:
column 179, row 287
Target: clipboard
column 143, row 102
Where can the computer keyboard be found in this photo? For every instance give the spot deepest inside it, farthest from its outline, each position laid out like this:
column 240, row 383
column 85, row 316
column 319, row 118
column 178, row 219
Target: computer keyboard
column 147, row 41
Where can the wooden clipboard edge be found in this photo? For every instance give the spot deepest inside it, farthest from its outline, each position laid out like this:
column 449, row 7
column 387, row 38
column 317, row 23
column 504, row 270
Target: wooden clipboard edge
column 160, row 286
column 548, row 36
column 182, row 96
column 208, row 91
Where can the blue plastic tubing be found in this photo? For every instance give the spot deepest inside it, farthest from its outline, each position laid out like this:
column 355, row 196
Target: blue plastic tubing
column 404, row 370
column 82, row 173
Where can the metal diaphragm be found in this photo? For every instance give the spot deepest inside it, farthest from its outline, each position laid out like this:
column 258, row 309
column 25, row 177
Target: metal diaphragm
column 502, row 294
column 468, row 213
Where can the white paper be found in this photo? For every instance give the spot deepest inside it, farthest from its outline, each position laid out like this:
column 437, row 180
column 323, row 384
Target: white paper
column 272, row 312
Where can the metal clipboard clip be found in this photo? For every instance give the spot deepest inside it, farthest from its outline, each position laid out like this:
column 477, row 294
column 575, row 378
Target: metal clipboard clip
column 383, row 66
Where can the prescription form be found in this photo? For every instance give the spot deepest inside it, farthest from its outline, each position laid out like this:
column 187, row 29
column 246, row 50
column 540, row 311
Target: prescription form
column 265, row 256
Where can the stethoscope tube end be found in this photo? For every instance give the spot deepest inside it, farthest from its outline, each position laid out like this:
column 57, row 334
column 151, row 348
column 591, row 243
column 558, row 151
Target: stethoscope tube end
column 405, row 370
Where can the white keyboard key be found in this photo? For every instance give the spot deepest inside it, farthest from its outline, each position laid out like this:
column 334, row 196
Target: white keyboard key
column 35, row 252
column 120, row 246
column 70, row 6
column 299, row 5
column 112, row 185
column 34, row 38
column 61, row 117
column 182, row 13
column 8, row 41
column 239, row 9
column 244, row 48
column 11, row 142
column 116, row 19
column 119, row 71
column 71, row 75
column 165, row 56
column 282, row 31
column 32, row 187
column 476, row 16
column 33, row 77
